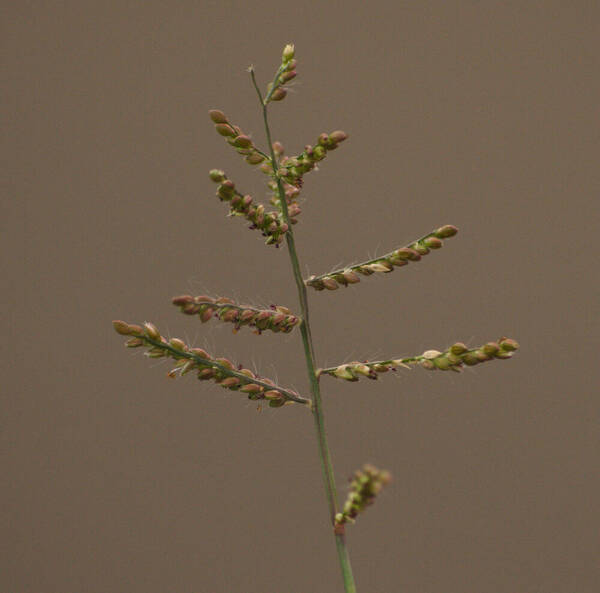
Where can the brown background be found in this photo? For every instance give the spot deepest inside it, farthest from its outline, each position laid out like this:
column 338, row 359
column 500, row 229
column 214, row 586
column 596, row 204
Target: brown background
column 479, row 114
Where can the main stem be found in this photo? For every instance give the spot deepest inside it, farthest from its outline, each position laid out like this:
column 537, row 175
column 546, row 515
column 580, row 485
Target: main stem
column 317, row 406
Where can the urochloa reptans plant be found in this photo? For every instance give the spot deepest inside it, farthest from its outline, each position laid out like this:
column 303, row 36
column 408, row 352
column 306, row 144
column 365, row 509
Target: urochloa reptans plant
column 284, row 176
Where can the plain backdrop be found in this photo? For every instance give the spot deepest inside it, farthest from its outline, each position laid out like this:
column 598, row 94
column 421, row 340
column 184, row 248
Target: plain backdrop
column 479, row 114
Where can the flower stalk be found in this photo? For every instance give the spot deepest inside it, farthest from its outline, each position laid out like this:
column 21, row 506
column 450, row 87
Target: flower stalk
column 285, row 182
column 317, row 405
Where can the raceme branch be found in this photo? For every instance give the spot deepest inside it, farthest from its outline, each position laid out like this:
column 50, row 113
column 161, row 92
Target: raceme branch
column 384, row 264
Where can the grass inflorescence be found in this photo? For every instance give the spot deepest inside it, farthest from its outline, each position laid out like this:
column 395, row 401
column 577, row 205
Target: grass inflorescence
column 285, row 176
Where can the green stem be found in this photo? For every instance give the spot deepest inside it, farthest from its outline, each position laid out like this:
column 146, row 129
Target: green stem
column 340, row 542
column 317, row 407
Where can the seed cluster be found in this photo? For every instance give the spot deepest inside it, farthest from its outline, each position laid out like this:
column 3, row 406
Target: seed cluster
column 385, row 264
column 220, row 370
column 276, row 90
column 292, row 169
column 365, row 485
column 271, row 224
column 275, row 319
column 452, row 359
column 458, row 355
column 291, row 191
column 241, row 142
